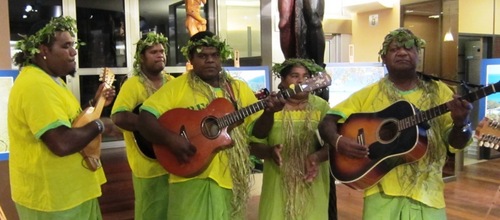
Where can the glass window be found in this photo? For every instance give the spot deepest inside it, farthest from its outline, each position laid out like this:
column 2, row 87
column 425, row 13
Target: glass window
column 24, row 14
column 239, row 24
column 178, row 33
column 101, row 25
column 155, row 16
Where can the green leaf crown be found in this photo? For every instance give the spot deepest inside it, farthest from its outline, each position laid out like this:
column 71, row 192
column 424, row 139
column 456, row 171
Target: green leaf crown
column 404, row 38
column 310, row 65
column 28, row 46
column 225, row 51
column 149, row 40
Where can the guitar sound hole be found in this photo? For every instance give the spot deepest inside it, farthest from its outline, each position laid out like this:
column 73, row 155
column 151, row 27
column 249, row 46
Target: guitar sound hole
column 210, row 128
column 388, row 131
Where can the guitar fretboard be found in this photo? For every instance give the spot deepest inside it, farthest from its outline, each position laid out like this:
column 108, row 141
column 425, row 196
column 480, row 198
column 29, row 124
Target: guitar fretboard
column 441, row 109
column 310, row 84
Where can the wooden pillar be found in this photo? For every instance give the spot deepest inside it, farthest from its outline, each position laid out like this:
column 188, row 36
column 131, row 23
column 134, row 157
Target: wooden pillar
column 5, row 56
column 449, row 52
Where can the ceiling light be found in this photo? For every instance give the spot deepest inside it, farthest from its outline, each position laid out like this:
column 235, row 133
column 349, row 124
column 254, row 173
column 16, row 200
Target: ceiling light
column 28, row 8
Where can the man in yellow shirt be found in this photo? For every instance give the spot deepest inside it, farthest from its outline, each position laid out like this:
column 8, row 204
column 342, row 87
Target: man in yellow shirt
column 221, row 190
column 149, row 178
column 410, row 190
column 48, row 177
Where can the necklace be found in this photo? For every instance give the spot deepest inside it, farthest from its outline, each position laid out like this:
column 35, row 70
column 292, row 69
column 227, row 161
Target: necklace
column 150, row 85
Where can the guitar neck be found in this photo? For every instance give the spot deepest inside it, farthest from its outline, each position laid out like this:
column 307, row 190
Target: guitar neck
column 241, row 114
column 319, row 81
column 431, row 113
column 99, row 106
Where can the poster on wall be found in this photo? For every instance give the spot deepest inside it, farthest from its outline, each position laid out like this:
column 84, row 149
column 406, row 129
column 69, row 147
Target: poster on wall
column 6, row 81
column 257, row 77
column 348, row 78
column 490, row 74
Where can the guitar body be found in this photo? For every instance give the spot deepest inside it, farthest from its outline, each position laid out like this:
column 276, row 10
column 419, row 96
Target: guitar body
column 201, row 130
column 92, row 152
column 388, row 146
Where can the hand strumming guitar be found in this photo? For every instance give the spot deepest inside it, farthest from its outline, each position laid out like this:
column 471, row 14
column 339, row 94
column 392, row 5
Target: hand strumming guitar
column 351, row 148
column 182, row 149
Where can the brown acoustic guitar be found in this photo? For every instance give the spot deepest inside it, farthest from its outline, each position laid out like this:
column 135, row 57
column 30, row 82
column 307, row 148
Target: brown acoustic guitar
column 92, row 152
column 146, row 147
column 207, row 129
column 394, row 136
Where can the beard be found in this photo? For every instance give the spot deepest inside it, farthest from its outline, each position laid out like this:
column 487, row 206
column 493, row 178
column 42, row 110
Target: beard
column 155, row 69
column 72, row 72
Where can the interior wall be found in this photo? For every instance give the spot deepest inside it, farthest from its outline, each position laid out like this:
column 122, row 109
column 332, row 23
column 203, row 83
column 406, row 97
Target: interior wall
column 367, row 39
column 428, row 30
column 476, row 16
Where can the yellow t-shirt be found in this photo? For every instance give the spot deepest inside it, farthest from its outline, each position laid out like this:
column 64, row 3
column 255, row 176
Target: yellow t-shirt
column 428, row 187
column 132, row 94
column 39, row 179
column 178, row 94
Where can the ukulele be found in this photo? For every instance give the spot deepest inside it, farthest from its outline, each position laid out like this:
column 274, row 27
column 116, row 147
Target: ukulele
column 207, row 129
column 92, row 152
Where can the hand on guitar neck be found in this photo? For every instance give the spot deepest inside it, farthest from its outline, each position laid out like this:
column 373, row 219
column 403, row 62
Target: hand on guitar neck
column 104, row 96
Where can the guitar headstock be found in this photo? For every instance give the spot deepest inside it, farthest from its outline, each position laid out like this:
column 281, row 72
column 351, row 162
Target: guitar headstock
column 488, row 133
column 107, row 76
column 319, row 81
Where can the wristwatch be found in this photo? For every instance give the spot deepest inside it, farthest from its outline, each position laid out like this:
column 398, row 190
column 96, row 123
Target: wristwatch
column 464, row 128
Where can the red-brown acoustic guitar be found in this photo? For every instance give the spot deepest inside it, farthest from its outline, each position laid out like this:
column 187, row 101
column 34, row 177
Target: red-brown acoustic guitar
column 394, row 136
column 92, row 152
column 207, row 129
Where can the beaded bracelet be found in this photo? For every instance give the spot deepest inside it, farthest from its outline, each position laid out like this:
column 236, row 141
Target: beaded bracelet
column 100, row 125
column 337, row 142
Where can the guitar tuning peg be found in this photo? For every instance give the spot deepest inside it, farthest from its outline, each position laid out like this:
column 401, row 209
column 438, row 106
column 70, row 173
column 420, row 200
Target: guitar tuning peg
column 497, row 143
column 489, row 143
column 493, row 142
column 481, row 141
column 484, row 141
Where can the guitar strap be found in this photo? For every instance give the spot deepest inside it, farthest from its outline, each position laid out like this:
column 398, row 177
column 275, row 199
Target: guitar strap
column 231, row 94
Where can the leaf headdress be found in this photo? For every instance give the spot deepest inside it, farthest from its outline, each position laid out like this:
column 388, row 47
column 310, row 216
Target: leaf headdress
column 28, row 46
column 279, row 69
column 149, row 40
column 210, row 40
column 404, row 38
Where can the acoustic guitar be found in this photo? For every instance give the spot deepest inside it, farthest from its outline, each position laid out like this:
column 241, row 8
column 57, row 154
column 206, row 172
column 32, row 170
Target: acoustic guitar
column 207, row 129
column 487, row 133
column 92, row 152
column 394, row 136
column 146, row 147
